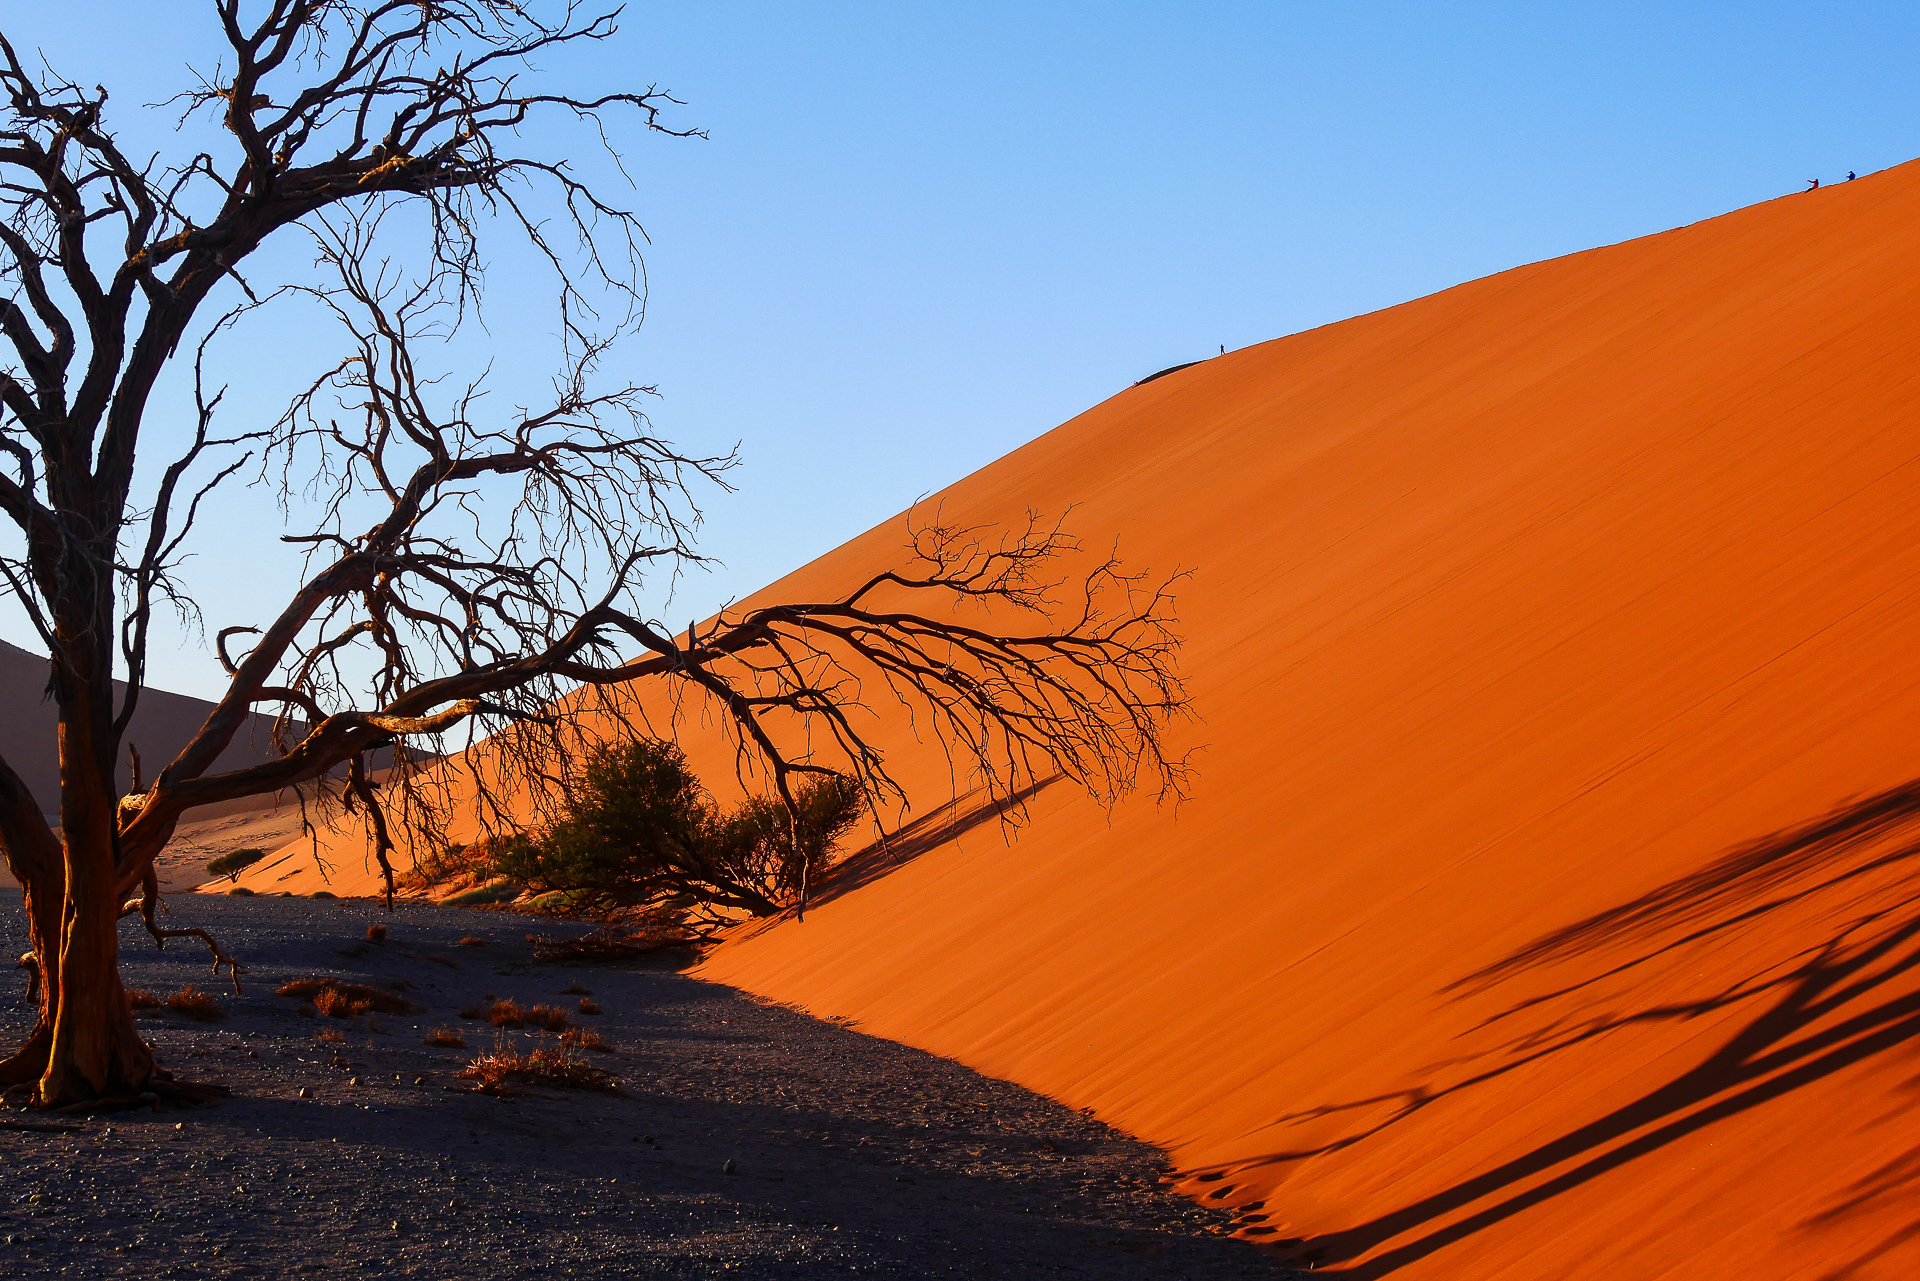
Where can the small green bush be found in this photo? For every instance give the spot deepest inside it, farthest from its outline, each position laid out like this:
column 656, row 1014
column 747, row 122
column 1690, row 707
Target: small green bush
column 234, row 862
column 639, row 829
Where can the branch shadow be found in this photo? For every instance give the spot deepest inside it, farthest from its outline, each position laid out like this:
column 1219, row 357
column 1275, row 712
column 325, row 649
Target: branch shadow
column 1827, row 918
column 925, row 834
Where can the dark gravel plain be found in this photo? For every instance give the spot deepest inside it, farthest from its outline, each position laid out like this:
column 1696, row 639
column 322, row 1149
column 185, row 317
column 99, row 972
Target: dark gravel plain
column 850, row 1155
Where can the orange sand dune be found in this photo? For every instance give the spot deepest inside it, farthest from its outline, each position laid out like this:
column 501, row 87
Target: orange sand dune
column 1548, row 905
column 163, row 724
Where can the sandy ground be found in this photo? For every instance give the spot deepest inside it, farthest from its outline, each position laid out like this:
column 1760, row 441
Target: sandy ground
column 851, row 1155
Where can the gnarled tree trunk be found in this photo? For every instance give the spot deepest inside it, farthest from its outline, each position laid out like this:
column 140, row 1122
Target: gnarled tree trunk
column 95, row 1050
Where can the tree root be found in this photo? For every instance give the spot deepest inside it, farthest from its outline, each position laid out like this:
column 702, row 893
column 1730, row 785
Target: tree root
column 39, row 1128
column 27, row 1064
column 161, row 1091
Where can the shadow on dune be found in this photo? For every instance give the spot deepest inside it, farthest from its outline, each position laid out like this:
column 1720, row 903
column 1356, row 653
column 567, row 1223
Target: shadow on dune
column 1825, row 918
column 927, row 833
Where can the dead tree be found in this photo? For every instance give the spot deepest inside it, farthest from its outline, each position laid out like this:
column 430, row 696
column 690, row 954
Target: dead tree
column 467, row 568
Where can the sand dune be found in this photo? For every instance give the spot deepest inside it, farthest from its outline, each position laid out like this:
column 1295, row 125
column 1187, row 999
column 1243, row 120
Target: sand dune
column 162, row 725
column 1547, row 906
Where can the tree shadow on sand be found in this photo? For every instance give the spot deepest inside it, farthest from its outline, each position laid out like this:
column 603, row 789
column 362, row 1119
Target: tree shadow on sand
column 1826, row 917
column 922, row 836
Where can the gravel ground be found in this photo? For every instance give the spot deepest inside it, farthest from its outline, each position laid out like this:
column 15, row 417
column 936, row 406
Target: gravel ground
column 849, row 1154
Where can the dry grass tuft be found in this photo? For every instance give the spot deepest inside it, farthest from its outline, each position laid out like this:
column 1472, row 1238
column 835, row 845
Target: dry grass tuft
column 376, row 934
column 332, row 1036
column 574, row 989
column 560, row 1068
column 474, row 940
column 340, row 999
column 196, row 1005
column 507, row 1013
column 550, row 1017
column 447, row 1037
column 510, row 1013
column 585, row 1038
column 589, row 1006
column 138, row 998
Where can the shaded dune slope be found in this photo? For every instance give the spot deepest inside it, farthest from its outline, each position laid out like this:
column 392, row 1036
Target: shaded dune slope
column 163, row 724
column 1547, row 907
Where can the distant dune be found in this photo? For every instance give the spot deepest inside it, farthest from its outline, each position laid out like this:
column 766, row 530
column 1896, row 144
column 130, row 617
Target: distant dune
column 162, row 725
column 1547, row 907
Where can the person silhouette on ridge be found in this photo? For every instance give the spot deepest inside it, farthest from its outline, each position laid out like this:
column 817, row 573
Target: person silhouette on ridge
column 1849, row 175
column 1813, row 184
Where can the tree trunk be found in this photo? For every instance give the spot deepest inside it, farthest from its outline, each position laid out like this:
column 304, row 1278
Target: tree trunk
column 96, row 1052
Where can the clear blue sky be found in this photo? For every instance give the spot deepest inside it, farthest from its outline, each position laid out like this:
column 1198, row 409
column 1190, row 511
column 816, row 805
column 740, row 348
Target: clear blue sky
column 921, row 235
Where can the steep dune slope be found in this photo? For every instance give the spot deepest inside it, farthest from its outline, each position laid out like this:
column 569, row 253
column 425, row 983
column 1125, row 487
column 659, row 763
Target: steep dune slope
column 1547, row 907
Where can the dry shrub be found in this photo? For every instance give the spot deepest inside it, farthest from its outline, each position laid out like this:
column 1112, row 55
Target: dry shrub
column 196, row 1005
column 332, row 1036
column 447, row 870
column 510, row 1013
column 589, row 1006
column 447, row 1037
column 340, row 999
column 561, row 1068
column 376, row 934
column 585, row 1038
column 507, row 1013
column 473, row 940
column 138, row 998
column 550, row 1017
column 574, row 989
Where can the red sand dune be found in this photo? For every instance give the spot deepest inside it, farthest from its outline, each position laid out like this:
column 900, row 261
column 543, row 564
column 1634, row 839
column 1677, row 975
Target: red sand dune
column 1547, row 907
column 162, row 725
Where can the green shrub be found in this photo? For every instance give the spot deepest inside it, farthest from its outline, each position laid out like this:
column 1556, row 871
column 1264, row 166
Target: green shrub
column 234, row 862
column 639, row 829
